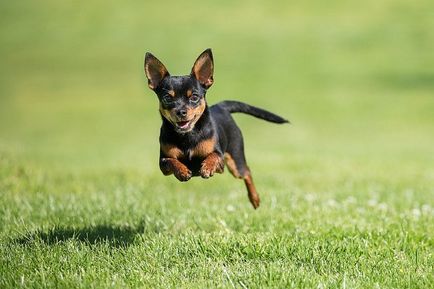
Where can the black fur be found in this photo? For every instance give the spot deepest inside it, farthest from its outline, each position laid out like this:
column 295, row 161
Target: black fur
column 236, row 106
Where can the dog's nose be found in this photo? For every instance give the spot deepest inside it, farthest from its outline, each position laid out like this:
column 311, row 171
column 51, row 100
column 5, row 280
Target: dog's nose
column 181, row 112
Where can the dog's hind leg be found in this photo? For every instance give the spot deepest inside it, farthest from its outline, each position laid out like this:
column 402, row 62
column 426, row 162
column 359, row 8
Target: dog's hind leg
column 251, row 189
column 236, row 164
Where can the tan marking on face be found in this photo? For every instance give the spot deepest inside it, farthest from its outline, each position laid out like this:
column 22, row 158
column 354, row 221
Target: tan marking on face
column 193, row 114
column 196, row 112
column 166, row 113
column 230, row 163
column 204, row 148
column 171, row 151
column 189, row 93
column 171, row 93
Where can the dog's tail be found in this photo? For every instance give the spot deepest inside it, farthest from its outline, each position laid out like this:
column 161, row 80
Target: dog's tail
column 236, row 106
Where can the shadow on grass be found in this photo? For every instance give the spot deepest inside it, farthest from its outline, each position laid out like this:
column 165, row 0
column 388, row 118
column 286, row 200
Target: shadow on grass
column 114, row 236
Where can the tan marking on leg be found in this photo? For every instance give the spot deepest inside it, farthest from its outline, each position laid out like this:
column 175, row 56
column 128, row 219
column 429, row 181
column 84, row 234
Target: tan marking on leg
column 213, row 163
column 171, row 165
column 251, row 190
column 230, row 163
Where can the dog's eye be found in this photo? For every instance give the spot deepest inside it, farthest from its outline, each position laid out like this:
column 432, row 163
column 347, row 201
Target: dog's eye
column 167, row 100
column 194, row 98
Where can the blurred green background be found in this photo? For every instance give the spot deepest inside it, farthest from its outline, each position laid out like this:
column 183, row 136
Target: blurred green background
column 347, row 189
column 355, row 78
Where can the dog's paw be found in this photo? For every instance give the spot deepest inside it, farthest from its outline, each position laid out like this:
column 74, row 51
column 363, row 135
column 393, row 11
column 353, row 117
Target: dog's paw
column 183, row 174
column 206, row 171
column 210, row 167
column 254, row 200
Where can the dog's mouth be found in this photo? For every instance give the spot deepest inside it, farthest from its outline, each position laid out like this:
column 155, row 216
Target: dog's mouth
column 185, row 125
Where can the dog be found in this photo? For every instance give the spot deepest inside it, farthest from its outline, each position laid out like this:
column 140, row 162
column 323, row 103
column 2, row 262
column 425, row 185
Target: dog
column 197, row 140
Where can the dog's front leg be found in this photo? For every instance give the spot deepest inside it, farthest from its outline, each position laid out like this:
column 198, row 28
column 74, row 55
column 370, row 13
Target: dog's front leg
column 212, row 164
column 173, row 166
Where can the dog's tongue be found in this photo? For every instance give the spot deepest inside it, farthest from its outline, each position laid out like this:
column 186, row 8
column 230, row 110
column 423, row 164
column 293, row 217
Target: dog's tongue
column 182, row 124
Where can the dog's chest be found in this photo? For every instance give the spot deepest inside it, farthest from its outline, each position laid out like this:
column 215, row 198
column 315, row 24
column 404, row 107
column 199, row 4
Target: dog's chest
column 201, row 150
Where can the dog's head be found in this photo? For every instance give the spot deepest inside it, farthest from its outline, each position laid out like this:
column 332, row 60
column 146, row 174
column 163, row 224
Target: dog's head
column 182, row 98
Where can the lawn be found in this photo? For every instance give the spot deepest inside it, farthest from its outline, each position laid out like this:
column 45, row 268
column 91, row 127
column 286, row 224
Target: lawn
column 347, row 188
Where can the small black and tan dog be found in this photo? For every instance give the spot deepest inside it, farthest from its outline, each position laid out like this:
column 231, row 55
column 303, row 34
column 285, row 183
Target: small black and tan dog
column 196, row 140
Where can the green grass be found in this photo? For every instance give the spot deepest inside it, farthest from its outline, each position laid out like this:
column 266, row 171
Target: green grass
column 347, row 189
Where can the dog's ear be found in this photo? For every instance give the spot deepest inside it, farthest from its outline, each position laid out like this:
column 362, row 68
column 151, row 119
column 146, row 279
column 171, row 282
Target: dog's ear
column 203, row 68
column 155, row 70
